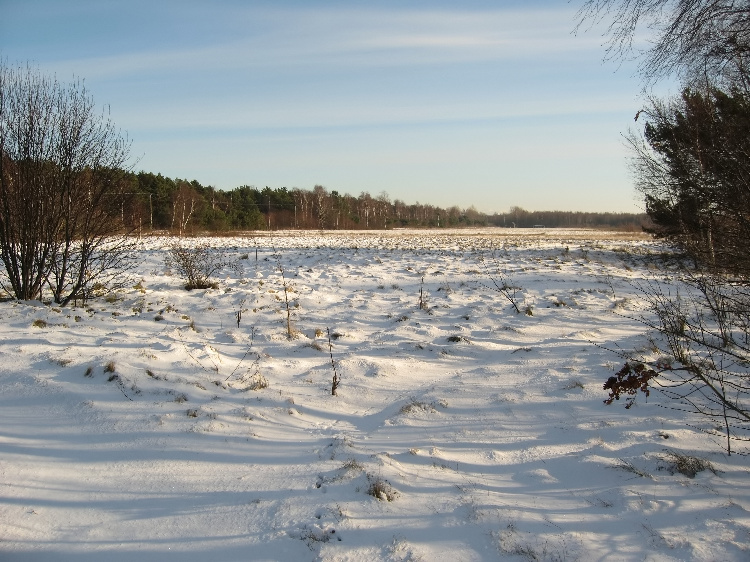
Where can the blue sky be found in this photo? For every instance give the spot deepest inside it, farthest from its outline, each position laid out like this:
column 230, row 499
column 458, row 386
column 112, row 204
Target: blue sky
column 491, row 104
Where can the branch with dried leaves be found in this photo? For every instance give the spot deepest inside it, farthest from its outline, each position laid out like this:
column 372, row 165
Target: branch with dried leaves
column 702, row 336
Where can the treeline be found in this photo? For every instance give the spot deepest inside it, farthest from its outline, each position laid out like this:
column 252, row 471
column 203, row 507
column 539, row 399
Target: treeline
column 520, row 218
column 182, row 206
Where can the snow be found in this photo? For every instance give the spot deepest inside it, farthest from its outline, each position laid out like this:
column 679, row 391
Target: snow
column 485, row 429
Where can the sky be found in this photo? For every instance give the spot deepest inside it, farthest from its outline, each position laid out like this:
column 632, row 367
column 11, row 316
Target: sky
column 486, row 103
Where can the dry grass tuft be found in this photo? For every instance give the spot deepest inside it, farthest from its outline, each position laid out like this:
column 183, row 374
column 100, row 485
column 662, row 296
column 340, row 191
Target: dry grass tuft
column 687, row 465
column 381, row 489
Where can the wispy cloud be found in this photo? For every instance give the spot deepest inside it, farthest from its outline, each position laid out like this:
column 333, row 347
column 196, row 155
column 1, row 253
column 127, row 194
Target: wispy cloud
column 238, row 114
column 276, row 68
column 362, row 38
column 251, row 91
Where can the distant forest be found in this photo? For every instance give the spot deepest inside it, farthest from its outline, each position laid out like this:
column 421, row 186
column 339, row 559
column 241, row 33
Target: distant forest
column 181, row 206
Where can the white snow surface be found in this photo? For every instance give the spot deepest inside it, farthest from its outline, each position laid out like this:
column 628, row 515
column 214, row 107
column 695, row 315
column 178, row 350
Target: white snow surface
column 481, row 432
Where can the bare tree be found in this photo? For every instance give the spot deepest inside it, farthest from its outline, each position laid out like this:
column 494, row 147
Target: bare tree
column 321, row 202
column 690, row 164
column 61, row 196
column 186, row 201
column 692, row 38
column 383, row 208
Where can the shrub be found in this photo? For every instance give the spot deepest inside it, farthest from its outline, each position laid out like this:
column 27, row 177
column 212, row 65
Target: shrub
column 196, row 264
column 700, row 334
column 61, row 187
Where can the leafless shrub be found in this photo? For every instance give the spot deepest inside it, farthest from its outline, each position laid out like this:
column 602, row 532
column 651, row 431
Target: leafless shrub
column 290, row 332
column 63, row 198
column 701, row 334
column 196, row 264
column 502, row 284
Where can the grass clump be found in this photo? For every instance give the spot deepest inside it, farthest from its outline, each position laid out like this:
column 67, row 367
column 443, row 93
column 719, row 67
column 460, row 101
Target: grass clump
column 687, row 464
column 415, row 406
column 630, row 467
column 574, row 384
column 352, row 465
column 381, row 489
column 257, row 382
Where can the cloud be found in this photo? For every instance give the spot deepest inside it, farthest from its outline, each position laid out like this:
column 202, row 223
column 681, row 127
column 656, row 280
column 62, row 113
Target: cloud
column 367, row 37
column 237, row 114
column 274, row 68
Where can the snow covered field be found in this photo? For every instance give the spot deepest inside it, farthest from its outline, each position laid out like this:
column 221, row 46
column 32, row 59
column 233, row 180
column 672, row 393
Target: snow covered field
column 150, row 426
